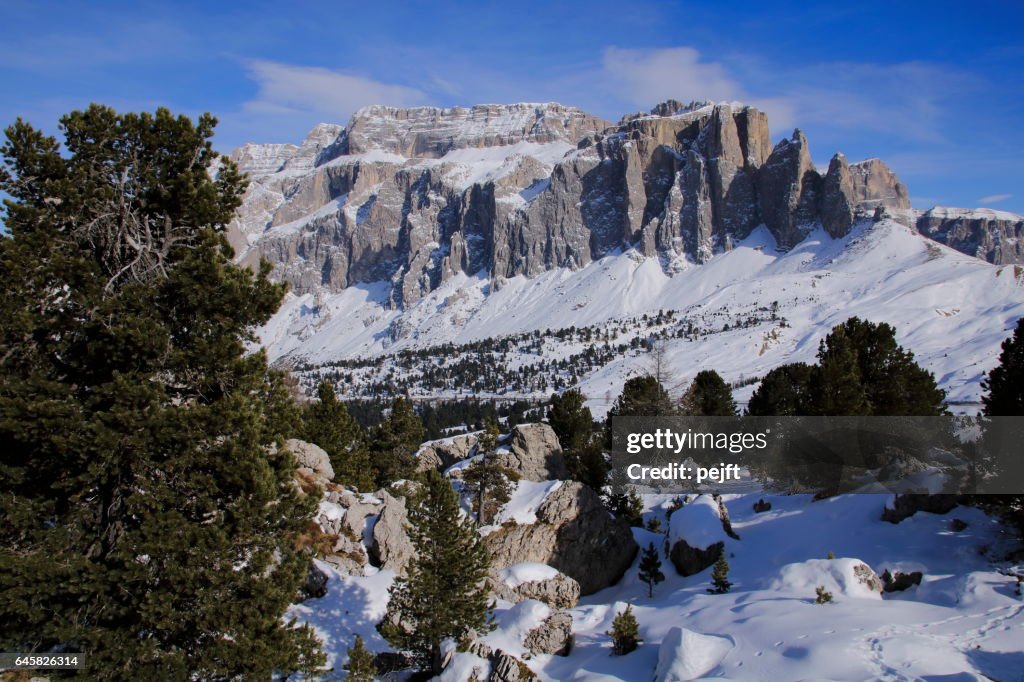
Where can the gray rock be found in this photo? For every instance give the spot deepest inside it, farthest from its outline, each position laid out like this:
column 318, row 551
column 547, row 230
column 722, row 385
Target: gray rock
column 898, row 582
column 444, row 453
column 312, row 457
column 788, row 187
column 762, row 506
column 996, row 237
column 574, row 533
column 560, row 591
column 315, row 585
column 909, row 504
column 692, row 560
column 507, row 668
column 534, row 453
column 868, row 578
column 392, row 548
column 553, row 636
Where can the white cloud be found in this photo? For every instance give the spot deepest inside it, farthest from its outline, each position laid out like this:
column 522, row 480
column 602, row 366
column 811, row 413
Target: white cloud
column 994, row 198
column 647, row 77
column 285, row 88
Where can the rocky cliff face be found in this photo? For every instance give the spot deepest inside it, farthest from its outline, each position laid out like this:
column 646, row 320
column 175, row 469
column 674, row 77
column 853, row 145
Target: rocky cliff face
column 995, row 236
column 416, row 196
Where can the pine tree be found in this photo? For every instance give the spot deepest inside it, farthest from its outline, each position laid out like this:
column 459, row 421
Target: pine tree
column 395, row 443
column 327, row 423
column 443, row 594
column 1004, row 385
column 782, row 392
column 572, row 422
column 720, row 575
column 836, row 386
column 625, row 632
column 361, row 666
column 627, row 505
column 149, row 507
column 822, row 596
column 709, row 396
column 489, row 483
column 650, row 568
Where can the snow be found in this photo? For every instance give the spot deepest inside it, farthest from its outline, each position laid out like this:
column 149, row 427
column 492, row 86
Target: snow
column 331, row 511
column 835, row 575
column 951, row 310
column 687, row 655
column 524, row 502
column 697, row 522
column 526, row 572
column 947, row 213
column 963, row 622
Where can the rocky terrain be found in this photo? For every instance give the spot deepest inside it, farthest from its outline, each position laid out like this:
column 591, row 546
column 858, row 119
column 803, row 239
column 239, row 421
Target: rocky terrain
column 413, row 196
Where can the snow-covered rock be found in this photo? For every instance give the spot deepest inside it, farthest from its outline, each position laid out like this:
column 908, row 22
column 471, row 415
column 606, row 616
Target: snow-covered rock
column 530, row 580
column 687, row 655
column 842, row 577
column 697, row 534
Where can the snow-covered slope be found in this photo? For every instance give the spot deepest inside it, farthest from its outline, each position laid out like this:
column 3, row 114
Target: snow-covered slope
column 951, row 310
column 963, row 622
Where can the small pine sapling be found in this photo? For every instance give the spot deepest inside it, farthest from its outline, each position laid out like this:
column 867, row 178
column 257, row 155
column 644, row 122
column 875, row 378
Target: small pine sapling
column 360, row 666
column 625, row 632
column 720, row 576
column 823, row 595
column 650, row 568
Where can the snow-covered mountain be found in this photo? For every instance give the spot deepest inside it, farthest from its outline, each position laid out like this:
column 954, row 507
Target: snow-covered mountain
column 409, row 228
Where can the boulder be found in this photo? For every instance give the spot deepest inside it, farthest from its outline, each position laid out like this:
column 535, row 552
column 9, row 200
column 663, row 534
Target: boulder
column 904, row 506
column 553, row 636
column 958, row 525
column 348, row 555
column 311, row 457
column 315, row 585
column 698, row 533
column 507, row 668
column 868, row 578
column 441, row 454
column 897, row 582
column 762, row 506
column 534, row 452
column 688, row 655
column 573, row 533
column 391, row 547
column 520, row 582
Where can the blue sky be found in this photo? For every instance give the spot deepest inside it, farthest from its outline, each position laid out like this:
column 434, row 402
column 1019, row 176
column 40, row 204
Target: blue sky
column 933, row 88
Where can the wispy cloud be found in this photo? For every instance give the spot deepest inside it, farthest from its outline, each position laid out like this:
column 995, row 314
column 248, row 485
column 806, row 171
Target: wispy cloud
column 289, row 89
column 994, row 198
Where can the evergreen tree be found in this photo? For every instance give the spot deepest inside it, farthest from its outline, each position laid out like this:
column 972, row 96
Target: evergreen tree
column 720, row 575
column 862, row 370
column 1004, row 385
column 149, row 507
column 395, row 443
column 641, row 397
column 822, row 596
column 708, row 396
column 489, row 483
column 572, row 422
column 361, row 666
column 650, row 568
column 625, row 632
column 783, row 392
column 443, row 594
column 327, row 423
column 836, row 384
column 626, row 504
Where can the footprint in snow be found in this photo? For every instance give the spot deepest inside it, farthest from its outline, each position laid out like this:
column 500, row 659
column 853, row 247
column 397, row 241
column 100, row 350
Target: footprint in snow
column 780, row 642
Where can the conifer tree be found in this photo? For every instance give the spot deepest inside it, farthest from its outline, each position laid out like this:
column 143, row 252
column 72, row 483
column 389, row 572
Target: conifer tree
column 360, row 666
column 149, row 507
column 836, row 384
column 443, row 594
column 650, row 568
column 782, row 392
column 489, row 483
column 327, row 423
column 708, row 396
column 720, row 575
column 395, row 443
column 1004, row 385
column 573, row 423
column 625, row 632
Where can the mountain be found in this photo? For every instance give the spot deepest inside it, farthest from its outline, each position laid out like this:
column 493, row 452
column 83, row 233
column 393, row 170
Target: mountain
column 412, row 228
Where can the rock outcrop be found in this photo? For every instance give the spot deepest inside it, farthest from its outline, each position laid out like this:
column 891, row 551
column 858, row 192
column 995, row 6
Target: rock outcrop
column 441, row 454
column 553, row 636
column 697, row 534
column 415, row 196
column 557, row 590
column 995, row 236
column 311, row 459
column 392, row 547
column 533, row 451
column 905, row 506
column 573, row 533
